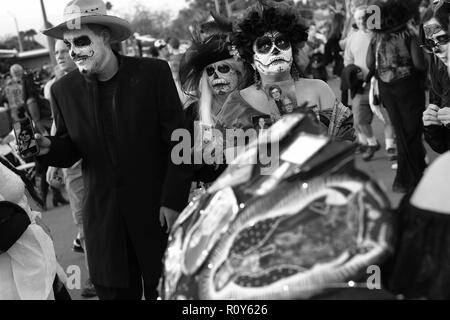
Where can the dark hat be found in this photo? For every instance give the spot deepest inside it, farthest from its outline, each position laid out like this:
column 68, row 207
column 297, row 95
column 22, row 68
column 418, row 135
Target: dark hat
column 14, row 221
column 199, row 55
column 395, row 14
column 82, row 12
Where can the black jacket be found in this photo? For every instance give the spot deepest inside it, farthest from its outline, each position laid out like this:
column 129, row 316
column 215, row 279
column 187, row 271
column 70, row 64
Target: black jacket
column 350, row 81
column 126, row 186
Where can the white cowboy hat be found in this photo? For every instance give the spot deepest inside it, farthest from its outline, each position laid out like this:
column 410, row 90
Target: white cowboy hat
column 82, row 12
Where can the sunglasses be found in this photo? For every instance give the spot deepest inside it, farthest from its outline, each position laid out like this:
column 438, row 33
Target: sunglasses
column 431, row 46
column 223, row 68
column 265, row 43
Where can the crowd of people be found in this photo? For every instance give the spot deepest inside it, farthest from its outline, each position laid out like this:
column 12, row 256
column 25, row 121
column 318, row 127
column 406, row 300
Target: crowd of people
column 103, row 114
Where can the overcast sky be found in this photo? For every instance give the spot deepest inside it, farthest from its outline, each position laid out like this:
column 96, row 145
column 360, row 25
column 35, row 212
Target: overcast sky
column 28, row 12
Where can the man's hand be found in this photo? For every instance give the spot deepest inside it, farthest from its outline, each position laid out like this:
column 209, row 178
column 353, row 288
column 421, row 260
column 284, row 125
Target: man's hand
column 443, row 115
column 44, row 144
column 430, row 116
column 167, row 218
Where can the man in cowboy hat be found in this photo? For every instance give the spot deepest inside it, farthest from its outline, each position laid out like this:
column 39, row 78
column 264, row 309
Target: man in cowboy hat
column 73, row 176
column 117, row 114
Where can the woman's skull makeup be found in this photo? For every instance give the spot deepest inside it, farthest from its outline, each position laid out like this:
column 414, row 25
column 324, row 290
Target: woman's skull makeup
column 273, row 53
column 86, row 49
column 436, row 40
column 222, row 78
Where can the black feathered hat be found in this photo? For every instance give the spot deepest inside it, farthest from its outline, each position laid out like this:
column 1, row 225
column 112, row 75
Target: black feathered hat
column 394, row 15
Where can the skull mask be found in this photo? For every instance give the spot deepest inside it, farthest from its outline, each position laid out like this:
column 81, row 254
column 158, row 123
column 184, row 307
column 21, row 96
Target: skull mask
column 87, row 49
column 273, row 53
column 437, row 40
column 222, row 78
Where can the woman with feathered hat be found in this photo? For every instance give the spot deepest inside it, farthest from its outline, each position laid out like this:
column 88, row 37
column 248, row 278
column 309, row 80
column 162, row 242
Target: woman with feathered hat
column 209, row 74
column 269, row 38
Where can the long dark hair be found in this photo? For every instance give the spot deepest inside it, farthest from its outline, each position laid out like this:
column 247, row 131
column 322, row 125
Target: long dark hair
column 29, row 185
column 337, row 26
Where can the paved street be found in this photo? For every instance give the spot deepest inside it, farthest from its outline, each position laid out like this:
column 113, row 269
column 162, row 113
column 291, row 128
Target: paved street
column 61, row 223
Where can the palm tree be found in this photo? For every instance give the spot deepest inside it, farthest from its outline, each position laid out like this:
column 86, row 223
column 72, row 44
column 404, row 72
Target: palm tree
column 31, row 34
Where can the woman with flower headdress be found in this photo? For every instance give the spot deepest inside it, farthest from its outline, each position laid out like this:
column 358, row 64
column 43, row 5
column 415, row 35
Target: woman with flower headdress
column 209, row 74
column 269, row 37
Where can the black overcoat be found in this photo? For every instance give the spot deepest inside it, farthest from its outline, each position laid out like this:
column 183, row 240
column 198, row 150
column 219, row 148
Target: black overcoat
column 125, row 185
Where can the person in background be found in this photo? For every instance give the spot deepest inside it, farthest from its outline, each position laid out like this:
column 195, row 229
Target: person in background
column 399, row 65
column 317, row 68
column 355, row 53
column 73, row 176
column 316, row 41
column 333, row 51
column 34, row 105
column 24, row 100
column 417, row 270
column 424, row 215
column 161, row 46
column 174, row 46
column 174, row 63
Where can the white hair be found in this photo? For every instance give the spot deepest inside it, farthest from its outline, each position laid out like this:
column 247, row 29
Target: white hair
column 205, row 102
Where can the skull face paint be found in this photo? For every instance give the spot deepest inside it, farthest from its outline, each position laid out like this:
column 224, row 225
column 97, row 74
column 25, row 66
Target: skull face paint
column 273, row 53
column 437, row 40
column 86, row 49
column 222, row 78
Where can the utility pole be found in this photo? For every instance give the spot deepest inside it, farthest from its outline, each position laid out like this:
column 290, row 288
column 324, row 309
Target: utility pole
column 228, row 6
column 50, row 41
column 18, row 32
column 217, row 6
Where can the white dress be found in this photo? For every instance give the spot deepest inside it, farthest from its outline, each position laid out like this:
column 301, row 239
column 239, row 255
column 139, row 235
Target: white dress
column 28, row 268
